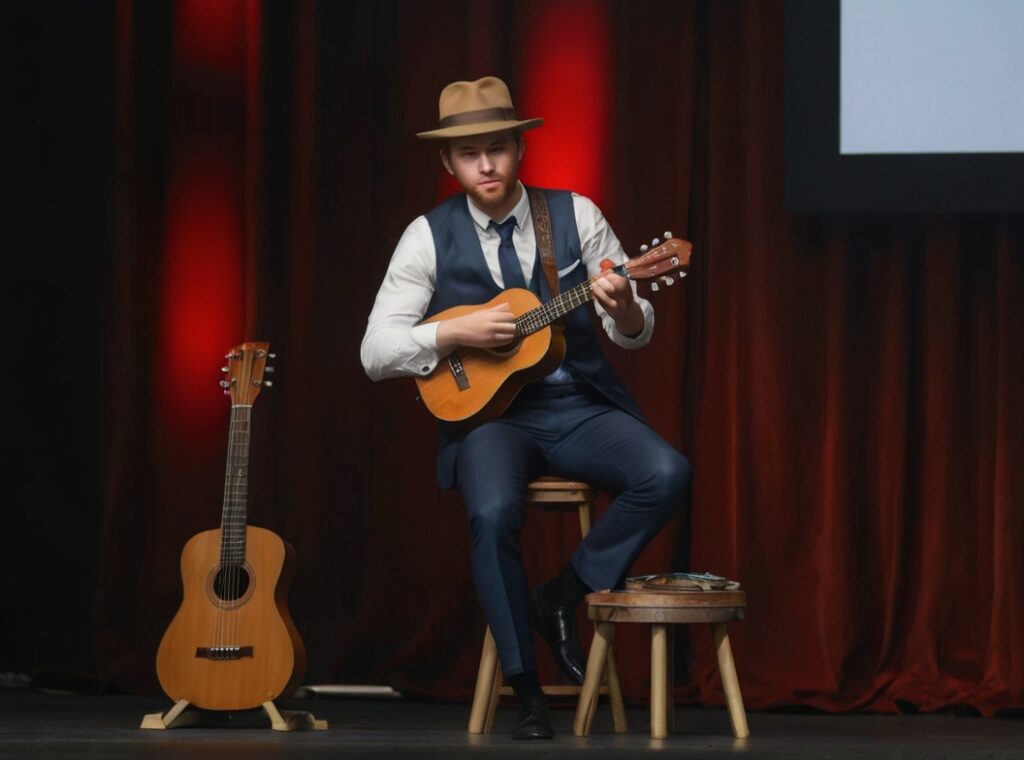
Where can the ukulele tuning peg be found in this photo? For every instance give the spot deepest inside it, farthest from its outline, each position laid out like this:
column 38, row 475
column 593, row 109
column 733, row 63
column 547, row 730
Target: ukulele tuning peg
column 643, row 249
column 225, row 384
column 667, row 280
column 655, row 242
column 224, row 369
column 668, row 235
column 654, row 287
column 268, row 369
column 271, row 356
column 268, row 383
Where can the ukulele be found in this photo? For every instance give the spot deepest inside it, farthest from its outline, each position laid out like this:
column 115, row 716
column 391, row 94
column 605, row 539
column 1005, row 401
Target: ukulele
column 475, row 385
column 232, row 644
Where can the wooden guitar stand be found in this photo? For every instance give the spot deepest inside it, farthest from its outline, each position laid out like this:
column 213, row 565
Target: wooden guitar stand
column 280, row 720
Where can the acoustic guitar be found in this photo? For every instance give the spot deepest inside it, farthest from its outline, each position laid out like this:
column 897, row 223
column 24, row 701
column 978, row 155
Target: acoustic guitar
column 232, row 644
column 475, row 385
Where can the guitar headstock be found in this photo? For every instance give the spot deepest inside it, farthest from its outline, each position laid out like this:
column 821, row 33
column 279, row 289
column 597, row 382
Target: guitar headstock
column 245, row 371
column 659, row 260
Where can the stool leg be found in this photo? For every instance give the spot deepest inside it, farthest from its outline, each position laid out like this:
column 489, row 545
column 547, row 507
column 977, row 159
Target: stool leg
column 484, row 693
column 586, row 512
column 615, row 696
column 603, row 635
column 659, row 657
column 670, row 681
column 731, row 684
column 492, row 709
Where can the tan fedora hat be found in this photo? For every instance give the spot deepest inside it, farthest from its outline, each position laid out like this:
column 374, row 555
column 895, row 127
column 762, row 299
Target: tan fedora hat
column 476, row 108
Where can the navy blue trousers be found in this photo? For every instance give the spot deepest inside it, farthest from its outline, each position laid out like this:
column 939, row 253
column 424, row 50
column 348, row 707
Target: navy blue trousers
column 569, row 431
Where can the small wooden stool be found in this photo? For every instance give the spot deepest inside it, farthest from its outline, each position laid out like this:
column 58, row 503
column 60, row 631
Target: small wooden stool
column 662, row 609
column 549, row 493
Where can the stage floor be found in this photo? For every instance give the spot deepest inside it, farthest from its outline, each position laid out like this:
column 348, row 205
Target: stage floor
column 34, row 725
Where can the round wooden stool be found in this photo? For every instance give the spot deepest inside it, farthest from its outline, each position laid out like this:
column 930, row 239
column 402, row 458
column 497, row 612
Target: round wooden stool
column 548, row 493
column 662, row 609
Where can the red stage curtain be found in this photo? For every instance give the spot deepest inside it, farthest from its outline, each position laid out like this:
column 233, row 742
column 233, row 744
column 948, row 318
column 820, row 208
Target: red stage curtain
column 846, row 387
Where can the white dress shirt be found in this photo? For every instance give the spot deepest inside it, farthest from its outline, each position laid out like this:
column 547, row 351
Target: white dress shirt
column 396, row 345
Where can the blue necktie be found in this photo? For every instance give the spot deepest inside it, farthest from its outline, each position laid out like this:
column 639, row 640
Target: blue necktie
column 508, row 259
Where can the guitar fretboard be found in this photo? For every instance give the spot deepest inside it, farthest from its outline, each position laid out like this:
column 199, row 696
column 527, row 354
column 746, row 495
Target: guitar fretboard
column 236, row 486
column 542, row 316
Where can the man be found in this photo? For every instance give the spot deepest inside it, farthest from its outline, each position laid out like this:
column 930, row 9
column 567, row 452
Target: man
column 579, row 422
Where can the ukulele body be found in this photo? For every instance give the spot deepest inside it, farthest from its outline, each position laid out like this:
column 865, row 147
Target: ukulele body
column 493, row 377
column 232, row 644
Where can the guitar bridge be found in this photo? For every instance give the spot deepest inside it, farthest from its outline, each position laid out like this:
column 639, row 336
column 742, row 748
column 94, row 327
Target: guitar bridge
column 223, row 653
column 458, row 371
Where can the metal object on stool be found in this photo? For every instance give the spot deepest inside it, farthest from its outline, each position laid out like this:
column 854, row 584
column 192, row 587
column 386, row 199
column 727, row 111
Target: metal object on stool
column 549, row 493
column 662, row 609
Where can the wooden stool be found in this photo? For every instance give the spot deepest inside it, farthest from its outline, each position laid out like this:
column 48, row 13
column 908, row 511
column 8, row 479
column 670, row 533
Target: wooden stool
column 662, row 609
column 548, row 493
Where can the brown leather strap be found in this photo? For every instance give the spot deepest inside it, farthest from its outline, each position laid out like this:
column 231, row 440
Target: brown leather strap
column 542, row 229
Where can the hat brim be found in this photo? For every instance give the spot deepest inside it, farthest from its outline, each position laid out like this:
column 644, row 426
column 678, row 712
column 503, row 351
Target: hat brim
column 482, row 128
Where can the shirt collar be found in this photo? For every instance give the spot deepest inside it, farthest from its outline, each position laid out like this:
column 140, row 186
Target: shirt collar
column 521, row 211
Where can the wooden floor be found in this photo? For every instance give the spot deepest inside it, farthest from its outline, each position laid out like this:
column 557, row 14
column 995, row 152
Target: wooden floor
column 35, row 725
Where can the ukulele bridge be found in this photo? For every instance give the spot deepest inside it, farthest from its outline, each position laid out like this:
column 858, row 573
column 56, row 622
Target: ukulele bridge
column 458, row 371
column 223, row 653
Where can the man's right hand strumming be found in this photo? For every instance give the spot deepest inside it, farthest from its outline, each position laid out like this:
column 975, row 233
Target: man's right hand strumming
column 487, row 328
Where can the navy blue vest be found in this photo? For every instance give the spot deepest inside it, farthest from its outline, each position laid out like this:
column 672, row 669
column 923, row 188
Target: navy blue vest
column 464, row 278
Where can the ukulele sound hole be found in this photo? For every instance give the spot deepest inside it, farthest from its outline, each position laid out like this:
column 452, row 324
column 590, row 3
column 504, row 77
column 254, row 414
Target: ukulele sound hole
column 508, row 349
column 231, row 582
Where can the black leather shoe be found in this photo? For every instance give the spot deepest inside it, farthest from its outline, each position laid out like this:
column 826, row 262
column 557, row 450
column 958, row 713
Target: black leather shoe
column 558, row 627
column 534, row 721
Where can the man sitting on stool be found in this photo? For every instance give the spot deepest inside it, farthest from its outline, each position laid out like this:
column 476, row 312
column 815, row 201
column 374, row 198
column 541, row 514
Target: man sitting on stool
column 580, row 421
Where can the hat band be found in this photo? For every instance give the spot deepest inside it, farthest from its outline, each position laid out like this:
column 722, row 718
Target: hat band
column 478, row 117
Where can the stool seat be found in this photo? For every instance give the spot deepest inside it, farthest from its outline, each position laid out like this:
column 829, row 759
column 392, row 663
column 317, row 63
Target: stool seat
column 662, row 609
column 667, row 606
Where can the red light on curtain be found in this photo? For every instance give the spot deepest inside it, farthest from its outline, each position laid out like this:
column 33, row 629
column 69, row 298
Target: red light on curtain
column 202, row 298
column 566, row 77
column 201, row 314
column 210, row 34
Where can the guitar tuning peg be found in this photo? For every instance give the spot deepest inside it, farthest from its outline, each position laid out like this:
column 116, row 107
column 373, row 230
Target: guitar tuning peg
column 682, row 275
column 268, row 383
column 224, row 369
column 654, row 287
column 268, row 369
column 667, row 280
column 668, row 235
column 655, row 242
column 643, row 249
column 225, row 384
column 271, row 356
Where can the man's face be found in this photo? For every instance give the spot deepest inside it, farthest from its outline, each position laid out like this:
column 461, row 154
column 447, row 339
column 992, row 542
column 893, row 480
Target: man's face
column 487, row 167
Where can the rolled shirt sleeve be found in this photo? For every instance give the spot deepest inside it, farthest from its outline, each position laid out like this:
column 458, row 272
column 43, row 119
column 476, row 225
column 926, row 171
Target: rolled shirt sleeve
column 395, row 344
column 599, row 243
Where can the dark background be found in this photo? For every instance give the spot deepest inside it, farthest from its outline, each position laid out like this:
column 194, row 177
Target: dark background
column 189, row 175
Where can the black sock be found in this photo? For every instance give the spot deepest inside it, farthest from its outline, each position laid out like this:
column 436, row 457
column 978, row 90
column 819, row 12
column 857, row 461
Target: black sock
column 526, row 685
column 566, row 589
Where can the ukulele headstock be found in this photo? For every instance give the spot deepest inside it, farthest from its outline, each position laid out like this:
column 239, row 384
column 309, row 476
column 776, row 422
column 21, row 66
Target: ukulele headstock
column 245, row 371
column 658, row 260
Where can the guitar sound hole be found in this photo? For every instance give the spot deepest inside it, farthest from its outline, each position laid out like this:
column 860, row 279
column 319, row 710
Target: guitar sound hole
column 508, row 349
column 231, row 582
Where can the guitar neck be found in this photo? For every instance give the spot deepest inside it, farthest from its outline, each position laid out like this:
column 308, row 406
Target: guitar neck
column 543, row 315
column 236, row 488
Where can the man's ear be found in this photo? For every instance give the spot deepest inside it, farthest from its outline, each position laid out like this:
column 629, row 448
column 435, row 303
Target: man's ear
column 446, row 160
column 522, row 146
